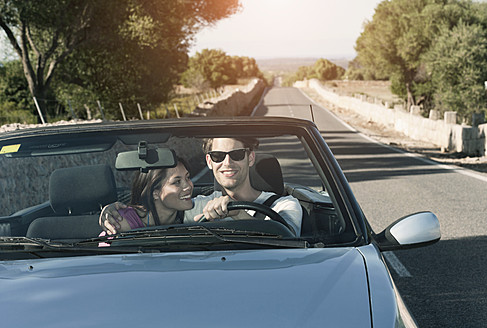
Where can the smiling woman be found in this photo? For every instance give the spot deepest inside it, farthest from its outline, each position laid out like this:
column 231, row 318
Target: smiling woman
column 159, row 195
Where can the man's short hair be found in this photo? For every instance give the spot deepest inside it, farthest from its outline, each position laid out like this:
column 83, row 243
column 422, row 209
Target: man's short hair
column 248, row 142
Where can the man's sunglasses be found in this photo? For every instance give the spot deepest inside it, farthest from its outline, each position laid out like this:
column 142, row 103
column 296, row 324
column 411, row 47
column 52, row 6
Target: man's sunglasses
column 235, row 155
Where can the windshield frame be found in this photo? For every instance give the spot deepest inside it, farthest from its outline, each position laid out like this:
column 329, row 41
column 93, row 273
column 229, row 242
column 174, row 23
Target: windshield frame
column 318, row 152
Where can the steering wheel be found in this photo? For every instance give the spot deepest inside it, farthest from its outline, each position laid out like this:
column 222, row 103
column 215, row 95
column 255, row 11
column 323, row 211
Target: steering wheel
column 267, row 211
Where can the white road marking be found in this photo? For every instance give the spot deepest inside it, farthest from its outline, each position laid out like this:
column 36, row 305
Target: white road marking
column 260, row 102
column 396, row 264
column 424, row 159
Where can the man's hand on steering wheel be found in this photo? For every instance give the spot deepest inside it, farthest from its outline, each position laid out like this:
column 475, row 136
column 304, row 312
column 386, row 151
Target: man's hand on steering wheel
column 218, row 209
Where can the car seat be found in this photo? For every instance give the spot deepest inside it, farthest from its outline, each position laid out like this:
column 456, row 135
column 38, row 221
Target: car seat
column 266, row 175
column 76, row 195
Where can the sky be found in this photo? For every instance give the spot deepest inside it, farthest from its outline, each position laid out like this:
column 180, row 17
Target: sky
column 290, row 28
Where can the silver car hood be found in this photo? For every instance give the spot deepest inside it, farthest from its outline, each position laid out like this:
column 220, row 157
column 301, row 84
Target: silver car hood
column 261, row 288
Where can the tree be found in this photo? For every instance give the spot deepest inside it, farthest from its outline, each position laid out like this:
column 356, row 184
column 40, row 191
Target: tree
column 303, row 73
column 214, row 68
column 152, row 46
column 457, row 64
column 355, row 71
column 325, row 70
column 245, row 67
column 43, row 34
column 120, row 48
column 400, row 33
column 322, row 69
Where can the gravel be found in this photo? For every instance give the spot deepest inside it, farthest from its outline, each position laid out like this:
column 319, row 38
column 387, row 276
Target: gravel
column 18, row 126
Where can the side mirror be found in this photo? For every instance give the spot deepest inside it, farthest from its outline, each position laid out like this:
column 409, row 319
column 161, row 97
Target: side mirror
column 415, row 230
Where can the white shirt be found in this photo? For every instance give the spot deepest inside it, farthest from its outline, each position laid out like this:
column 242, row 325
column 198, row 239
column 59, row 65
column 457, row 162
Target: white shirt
column 287, row 207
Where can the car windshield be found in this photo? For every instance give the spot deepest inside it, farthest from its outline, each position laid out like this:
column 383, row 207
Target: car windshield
column 57, row 185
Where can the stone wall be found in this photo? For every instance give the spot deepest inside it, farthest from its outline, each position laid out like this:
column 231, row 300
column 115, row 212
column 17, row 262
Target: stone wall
column 470, row 140
column 237, row 102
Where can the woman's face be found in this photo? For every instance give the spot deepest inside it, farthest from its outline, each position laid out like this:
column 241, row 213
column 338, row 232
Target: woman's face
column 176, row 190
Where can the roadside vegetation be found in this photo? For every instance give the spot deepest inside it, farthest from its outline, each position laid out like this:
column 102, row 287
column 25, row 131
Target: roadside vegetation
column 322, row 69
column 213, row 68
column 71, row 54
column 433, row 53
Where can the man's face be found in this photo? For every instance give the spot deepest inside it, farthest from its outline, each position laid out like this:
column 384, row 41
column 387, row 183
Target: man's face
column 230, row 173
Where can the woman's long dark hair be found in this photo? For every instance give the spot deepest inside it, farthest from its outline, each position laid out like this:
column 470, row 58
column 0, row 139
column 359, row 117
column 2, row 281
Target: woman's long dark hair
column 143, row 186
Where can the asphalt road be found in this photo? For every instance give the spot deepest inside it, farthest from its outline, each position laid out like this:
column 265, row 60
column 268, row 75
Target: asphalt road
column 444, row 285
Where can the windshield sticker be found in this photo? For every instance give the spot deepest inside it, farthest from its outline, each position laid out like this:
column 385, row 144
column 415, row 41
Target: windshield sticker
column 10, row 149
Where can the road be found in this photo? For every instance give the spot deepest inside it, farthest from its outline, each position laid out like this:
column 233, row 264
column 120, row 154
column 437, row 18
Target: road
column 444, row 285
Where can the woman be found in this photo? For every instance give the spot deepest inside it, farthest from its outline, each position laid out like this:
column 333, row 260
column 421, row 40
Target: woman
column 159, row 197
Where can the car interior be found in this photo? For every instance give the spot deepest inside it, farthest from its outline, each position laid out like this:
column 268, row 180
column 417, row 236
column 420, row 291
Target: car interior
column 78, row 193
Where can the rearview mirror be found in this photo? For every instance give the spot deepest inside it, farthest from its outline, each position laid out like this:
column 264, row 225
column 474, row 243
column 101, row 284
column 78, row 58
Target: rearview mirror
column 145, row 158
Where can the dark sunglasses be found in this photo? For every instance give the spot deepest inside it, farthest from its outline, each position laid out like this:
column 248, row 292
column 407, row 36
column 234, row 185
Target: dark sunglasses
column 235, row 155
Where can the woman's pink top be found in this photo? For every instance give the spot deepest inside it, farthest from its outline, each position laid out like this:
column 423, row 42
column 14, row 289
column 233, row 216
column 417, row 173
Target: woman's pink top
column 132, row 218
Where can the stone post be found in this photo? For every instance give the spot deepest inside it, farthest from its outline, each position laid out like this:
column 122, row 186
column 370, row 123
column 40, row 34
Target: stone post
column 450, row 117
column 415, row 110
column 434, row 114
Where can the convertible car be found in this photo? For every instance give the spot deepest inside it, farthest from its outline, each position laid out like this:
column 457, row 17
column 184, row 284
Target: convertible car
column 223, row 273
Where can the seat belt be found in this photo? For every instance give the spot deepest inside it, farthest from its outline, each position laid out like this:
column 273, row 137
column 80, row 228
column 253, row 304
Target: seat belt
column 268, row 202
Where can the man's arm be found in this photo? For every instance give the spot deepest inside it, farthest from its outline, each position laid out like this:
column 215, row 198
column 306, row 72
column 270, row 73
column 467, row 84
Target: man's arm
column 290, row 210
column 110, row 219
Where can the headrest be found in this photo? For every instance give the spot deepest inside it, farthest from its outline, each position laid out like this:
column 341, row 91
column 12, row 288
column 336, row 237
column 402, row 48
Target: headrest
column 81, row 189
column 265, row 175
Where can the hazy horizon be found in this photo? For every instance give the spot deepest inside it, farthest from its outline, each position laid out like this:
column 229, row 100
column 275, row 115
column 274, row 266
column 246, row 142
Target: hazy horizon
column 267, row 29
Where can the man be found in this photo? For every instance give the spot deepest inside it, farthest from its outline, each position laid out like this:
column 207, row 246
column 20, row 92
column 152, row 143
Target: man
column 230, row 160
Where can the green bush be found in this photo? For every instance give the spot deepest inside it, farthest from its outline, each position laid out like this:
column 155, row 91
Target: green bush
column 9, row 113
column 322, row 69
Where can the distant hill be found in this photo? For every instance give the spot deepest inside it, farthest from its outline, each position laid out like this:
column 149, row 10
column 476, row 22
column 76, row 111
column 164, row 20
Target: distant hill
column 292, row 64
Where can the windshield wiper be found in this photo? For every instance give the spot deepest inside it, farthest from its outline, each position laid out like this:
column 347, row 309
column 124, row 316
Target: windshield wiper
column 199, row 234
column 267, row 240
column 26, row 241
column 18, row 244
